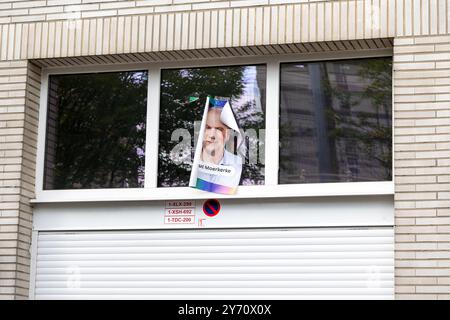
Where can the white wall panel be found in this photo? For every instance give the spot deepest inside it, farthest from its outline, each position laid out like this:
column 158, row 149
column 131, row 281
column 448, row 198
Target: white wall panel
column 234, row 213
column 291, row 263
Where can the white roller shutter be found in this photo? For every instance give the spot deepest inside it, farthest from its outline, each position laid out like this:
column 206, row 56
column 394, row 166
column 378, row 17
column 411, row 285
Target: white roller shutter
column 326, row 263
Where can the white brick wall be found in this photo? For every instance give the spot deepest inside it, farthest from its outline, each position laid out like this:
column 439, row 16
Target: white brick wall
column 417, row 23
column 422, row 167
column 67, row 32
column 19, row 84
column 38, row 10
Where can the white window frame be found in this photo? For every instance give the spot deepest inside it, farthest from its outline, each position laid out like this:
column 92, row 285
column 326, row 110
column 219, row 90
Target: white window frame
column 271, row 189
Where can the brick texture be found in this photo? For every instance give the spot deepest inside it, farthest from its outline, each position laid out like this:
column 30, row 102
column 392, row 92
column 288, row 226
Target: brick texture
column 422, row 166
column 151, row 26
column 19, row 101
column 38, row 10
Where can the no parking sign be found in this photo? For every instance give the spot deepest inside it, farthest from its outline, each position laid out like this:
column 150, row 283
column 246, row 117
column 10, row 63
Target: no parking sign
column 211, row 207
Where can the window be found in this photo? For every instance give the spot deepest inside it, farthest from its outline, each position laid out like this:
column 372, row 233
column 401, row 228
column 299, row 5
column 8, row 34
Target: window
column 336, row 121
column 243, row 86
column 96, row 131
column 131, row 135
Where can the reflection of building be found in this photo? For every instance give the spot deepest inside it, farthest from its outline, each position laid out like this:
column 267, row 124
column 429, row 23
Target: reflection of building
column 322, row 107
column 254, row 79
column 255, row 87
column 260, row 88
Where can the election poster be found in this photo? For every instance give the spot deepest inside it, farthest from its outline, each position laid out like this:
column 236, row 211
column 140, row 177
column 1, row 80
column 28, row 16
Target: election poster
column 217, row 164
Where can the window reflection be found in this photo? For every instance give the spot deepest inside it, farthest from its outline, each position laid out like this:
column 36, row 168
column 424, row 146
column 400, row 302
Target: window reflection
column 336, row 121
column 243, row 86
column 96, row 131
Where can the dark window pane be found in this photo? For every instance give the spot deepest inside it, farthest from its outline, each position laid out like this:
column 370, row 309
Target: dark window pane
column 243, row 86
column 335, row 121
column 96, row 131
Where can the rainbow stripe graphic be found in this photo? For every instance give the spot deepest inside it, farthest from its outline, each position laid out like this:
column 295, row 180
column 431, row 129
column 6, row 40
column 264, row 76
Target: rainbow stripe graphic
column 212, row 187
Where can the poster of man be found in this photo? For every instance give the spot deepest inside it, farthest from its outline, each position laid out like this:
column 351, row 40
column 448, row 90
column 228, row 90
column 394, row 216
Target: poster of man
column 216, row 169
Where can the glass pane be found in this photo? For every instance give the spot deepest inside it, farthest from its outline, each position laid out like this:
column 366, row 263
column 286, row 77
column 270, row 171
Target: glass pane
column 96, row 131
column 336, row 121
column 180, row 119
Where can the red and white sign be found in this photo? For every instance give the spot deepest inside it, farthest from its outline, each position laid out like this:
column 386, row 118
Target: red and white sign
column 180, row 204
column 211, row 207
column 179, row 220
column 179, row 212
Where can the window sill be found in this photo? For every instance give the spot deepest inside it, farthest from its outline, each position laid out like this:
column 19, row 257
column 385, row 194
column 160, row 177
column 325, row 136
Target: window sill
column 186, row 193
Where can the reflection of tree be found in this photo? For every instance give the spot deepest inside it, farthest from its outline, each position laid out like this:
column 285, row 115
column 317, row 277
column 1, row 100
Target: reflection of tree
column 100, row 130
column 176, row 86
column 363, row 120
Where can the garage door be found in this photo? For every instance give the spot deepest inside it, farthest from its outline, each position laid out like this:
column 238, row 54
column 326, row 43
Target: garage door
column 293, row 263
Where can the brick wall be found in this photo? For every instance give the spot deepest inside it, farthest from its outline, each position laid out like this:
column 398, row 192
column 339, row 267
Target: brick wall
column 19, row 98
column 41, row 10
column 422, row 166
column 206, row 28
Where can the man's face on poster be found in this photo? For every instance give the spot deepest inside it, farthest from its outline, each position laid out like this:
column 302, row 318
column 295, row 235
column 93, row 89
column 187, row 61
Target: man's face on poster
column 216, row 133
